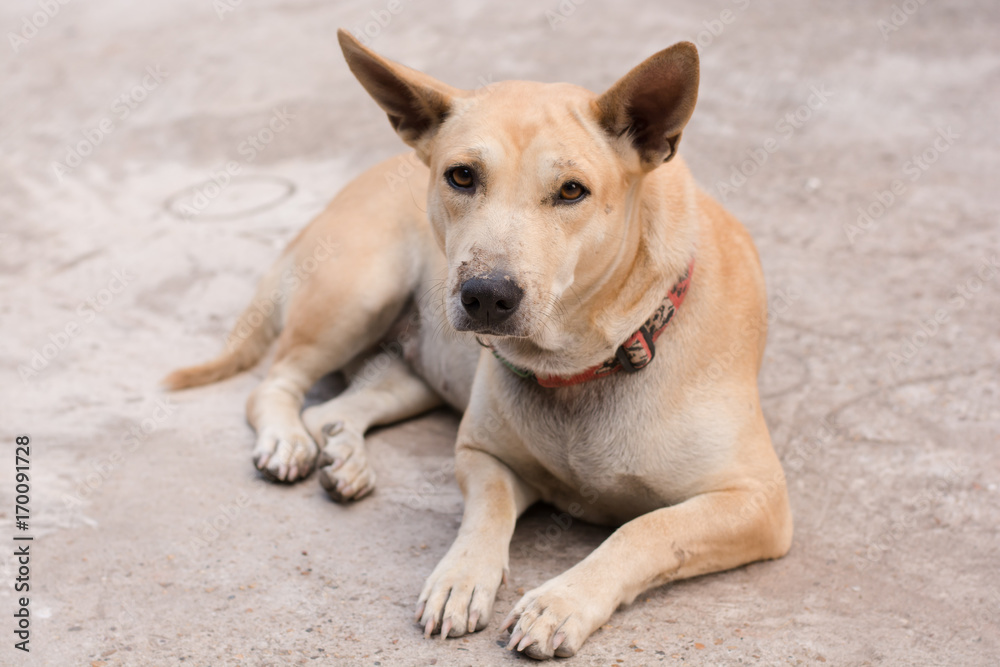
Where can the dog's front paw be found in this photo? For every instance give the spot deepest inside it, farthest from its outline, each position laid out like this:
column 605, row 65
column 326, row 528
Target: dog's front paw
column 285, row 454
column 344, row 469
column 458, row 596
column 555, row 618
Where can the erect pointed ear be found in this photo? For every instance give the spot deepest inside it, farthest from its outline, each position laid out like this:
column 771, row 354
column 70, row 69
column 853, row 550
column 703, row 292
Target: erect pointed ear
column 651, row 104
column 415, row 103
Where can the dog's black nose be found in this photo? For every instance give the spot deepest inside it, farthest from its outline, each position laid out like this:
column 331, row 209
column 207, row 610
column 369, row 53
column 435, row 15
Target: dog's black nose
column 491, row 300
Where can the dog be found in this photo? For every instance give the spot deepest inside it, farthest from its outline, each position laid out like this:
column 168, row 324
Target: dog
column 544, row 263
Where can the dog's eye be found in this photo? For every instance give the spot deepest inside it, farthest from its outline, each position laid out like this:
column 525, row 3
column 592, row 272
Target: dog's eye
column 462, row 178
column 572, row 191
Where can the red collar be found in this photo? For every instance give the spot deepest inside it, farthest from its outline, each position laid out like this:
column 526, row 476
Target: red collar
column 632, row 355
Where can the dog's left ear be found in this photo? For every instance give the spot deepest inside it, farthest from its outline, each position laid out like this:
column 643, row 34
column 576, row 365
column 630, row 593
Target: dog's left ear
column 416, row 104
column 651, row 104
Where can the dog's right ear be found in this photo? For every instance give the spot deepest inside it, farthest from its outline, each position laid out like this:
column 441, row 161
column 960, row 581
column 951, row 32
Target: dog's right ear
column 416, row 104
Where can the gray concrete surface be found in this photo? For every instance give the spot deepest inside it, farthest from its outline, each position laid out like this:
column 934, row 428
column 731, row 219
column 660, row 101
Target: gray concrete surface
column 160, row 546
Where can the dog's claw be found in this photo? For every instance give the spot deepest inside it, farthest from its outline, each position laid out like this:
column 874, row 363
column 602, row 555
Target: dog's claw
column 507, row 622
column 514, row 639
column 420, row 611
column 445, row 628
column 558, row 640
column 429, row 628
column 526, row 642
column 473, row 621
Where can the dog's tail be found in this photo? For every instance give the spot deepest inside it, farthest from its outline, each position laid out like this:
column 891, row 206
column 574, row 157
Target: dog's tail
column 248, row 342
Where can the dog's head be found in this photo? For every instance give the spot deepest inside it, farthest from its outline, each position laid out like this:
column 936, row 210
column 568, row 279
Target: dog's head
column 533, row 185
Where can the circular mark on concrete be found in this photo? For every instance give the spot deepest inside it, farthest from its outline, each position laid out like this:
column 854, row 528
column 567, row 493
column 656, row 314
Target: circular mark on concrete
column 238, row 197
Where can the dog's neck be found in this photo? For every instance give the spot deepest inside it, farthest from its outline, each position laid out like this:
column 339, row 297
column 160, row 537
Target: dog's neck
column 654, row 254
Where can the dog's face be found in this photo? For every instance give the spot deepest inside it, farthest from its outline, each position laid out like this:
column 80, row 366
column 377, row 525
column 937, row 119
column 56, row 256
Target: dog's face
column 526, row 200
column 532, row 184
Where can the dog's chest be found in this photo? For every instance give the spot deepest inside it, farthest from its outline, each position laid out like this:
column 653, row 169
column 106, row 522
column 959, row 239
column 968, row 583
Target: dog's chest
column 609, row 448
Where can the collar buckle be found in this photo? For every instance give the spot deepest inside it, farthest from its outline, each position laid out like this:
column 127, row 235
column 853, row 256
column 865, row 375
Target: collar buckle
column 636, row 353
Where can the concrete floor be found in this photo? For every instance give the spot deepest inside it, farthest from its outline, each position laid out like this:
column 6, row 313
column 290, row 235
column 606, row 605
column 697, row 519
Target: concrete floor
column 155, row 542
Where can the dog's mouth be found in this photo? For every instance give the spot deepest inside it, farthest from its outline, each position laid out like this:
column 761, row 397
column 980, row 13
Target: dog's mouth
column 507, row 328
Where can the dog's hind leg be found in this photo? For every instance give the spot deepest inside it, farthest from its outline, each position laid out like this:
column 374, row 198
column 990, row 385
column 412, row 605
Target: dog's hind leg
column 339, row 313
column 326, row 329
column 382, row 391
column 333, row 294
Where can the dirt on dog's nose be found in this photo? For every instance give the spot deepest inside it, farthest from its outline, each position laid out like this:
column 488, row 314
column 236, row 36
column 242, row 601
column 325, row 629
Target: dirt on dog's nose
column 490, row 300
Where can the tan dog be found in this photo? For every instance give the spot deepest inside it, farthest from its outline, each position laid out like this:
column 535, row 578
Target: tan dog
column 563, row 231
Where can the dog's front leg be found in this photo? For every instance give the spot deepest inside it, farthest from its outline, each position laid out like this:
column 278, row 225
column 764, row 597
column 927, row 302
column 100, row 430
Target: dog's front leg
column 458, row 596
column 710, row 532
